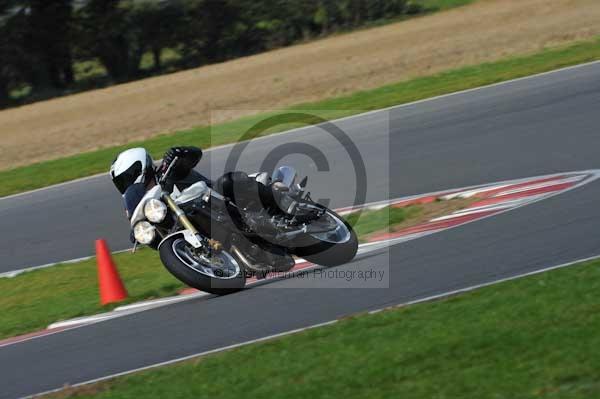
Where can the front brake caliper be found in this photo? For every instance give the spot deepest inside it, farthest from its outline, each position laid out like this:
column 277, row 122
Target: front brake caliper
column 215, row 245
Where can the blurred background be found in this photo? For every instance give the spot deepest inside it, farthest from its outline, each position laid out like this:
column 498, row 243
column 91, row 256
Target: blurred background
column 56, row 47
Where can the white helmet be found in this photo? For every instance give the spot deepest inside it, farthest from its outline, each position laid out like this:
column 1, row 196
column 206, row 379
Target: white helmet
column 131, row 167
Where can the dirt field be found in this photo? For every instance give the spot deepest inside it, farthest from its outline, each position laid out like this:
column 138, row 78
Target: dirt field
column 484, row 31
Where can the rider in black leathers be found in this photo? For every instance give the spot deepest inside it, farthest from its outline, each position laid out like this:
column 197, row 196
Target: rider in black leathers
column 133, row 183
column 236, row 186
column 182, row 173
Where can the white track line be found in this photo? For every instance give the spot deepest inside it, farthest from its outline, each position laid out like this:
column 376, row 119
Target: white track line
column 493, row 187
column 328, row 323
column 494, row 207
column 15, row 273
column 514, row 202
column 126, row 310
column 540, row 185
column 457, row 215
column 471, row 193
column 456, row 93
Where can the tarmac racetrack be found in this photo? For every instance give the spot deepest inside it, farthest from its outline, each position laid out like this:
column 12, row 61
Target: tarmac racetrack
column 541, row 125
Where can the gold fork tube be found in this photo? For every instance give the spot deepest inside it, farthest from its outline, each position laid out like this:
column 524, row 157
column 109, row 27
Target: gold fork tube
column 183, row 219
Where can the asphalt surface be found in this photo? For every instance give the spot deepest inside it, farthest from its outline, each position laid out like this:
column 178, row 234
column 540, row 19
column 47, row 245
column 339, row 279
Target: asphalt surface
column 550, row 232
column 535, row 126
column 530, row 127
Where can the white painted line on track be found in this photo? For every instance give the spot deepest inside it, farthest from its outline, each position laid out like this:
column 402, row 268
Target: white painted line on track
column 487, row 208
column 575, row 177
column 494, row 187
column 350, row 117
column 126, row 310
column 514, row 202
column 472, row 193
column 15, row 273
column 324, row 324
column 540, row 185
column 458, row 215
column 162, row 301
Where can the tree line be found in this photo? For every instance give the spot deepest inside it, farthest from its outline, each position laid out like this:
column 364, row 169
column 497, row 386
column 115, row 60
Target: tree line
column 42, row 40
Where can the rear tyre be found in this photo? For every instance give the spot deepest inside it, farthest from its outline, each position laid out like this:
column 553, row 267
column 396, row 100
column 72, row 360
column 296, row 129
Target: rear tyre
column 198, row 272
column 333, row 250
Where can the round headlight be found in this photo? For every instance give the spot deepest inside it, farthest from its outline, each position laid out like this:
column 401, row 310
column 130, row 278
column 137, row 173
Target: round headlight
column 144, row 232
column 155, row 211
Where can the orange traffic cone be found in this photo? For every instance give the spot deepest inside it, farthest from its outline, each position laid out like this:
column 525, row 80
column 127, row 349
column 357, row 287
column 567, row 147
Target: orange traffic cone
column 111, row 286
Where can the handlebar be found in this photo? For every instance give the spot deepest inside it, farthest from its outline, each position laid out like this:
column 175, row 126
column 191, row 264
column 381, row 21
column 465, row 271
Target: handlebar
column 165, row 175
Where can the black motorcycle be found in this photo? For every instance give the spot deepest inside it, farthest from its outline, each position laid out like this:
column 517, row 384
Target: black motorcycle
column 212, row 239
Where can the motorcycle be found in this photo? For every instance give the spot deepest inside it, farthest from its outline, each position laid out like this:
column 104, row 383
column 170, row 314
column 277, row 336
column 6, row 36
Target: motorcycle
column 213, row 239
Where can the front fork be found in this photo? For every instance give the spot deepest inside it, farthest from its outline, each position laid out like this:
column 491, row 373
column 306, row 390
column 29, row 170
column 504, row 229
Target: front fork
column 191, row 234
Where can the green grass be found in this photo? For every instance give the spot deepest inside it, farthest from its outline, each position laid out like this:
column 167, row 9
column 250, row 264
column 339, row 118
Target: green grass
column 417, row 8
column 366, row 223
column 85, row 164
column 94, row 70
column 441, row 5
column 33, row 300
column 536, row 337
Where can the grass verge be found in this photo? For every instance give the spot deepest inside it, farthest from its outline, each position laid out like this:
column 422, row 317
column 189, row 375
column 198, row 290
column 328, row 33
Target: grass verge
column 390, row 219
column 86, row 164
column 33, row 300
column 528, row 338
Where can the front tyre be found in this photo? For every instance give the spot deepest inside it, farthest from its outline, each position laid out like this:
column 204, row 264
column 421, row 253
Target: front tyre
column 333, row 248
column 218, row 273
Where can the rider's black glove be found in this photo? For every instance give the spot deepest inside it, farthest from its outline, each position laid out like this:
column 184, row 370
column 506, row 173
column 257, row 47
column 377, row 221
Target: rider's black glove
column 187, row 159
column 171, row 154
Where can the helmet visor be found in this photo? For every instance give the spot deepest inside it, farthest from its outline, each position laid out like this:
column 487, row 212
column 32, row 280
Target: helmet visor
column 127, row 178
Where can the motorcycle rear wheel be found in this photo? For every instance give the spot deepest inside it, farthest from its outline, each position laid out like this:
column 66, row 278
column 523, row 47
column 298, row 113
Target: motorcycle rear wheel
column 333, row 249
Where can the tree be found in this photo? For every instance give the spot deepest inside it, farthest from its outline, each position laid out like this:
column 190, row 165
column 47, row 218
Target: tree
column 48, row 40
column 11, row 52
column 109, row 33
column 158, row 23
column 8, row 73
column 206, row 29
column 40, row 40
column 36, row 42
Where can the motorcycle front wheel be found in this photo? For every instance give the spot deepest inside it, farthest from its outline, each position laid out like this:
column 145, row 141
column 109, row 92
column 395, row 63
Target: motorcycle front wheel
column 218, row 273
